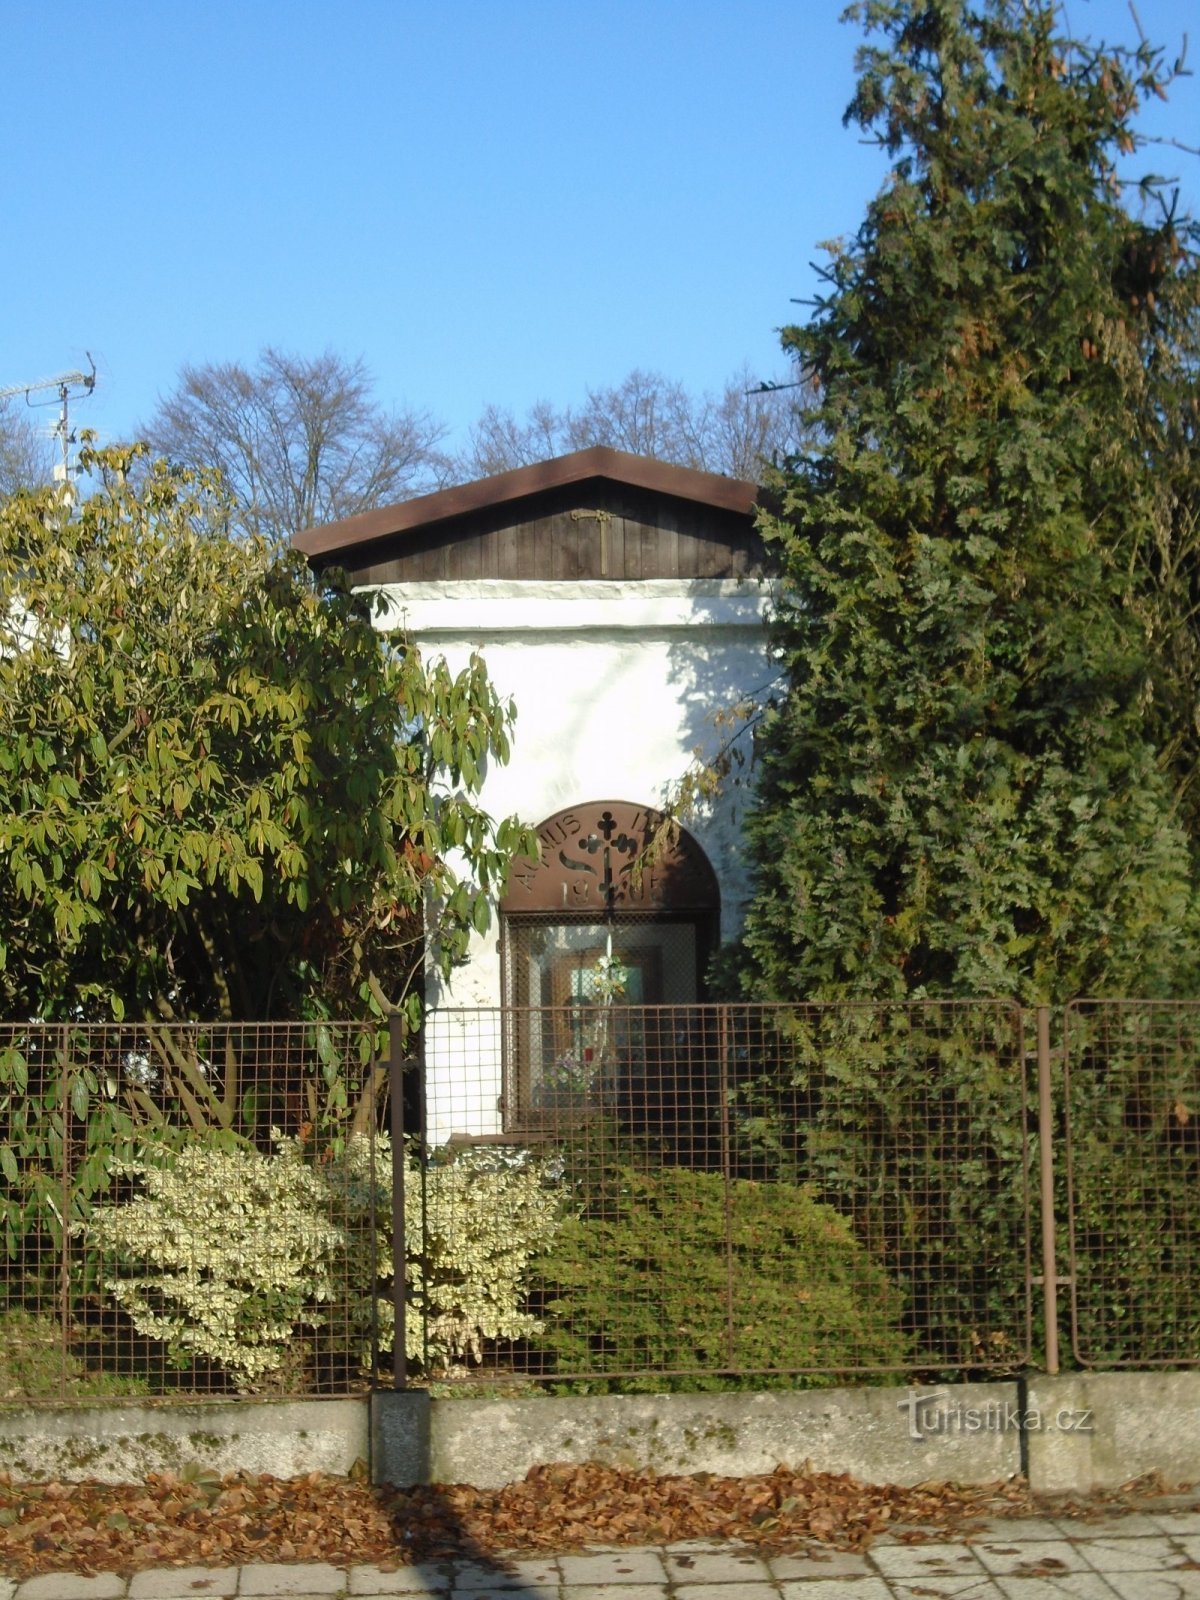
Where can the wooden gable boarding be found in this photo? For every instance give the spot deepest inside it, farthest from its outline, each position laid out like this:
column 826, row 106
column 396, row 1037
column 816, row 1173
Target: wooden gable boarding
column 597, row 514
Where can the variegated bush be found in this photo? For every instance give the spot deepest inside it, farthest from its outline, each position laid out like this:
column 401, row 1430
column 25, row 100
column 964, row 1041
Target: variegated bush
column 240, row 1258
column 472, row 1225
column 223, row 1255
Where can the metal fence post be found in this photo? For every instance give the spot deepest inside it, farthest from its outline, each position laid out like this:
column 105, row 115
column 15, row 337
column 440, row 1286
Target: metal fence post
column 399, row 1247
column 422, row 1133
column 726, row 1177
column 1046, row 1162
column 64, row 1264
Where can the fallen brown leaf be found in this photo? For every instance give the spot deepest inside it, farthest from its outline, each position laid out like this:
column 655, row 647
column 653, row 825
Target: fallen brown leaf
column 91, row 1527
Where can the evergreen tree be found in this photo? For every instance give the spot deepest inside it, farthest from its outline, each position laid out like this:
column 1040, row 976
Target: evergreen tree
column 1167, row 589
column 962, row 792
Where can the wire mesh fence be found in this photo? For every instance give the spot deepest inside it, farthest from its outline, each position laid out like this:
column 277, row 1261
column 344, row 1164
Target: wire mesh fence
column 186, row 1210
column 599, row 1194
column 1132, row 1095
column 725, row 1191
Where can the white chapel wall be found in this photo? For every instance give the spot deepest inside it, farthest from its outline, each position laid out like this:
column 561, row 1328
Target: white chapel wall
column 615, row 685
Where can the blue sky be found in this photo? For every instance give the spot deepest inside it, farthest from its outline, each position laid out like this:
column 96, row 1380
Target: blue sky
column 489, row 202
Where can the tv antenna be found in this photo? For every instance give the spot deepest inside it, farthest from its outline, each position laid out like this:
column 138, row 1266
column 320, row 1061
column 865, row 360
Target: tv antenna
column 64, row 382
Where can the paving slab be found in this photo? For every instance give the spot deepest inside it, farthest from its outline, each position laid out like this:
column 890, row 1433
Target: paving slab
column 747, row 1589
column 820, row 1565
column 629, row 1591
column 1155, row 1585
column 1031, row 1558
column 1134, row 1525
column 1130, row 1555
column 963, row 1586
column 926, row 1560
column 615, row 1568
column 183, row 1583
column 1180, row 1522
column 539, row 1576
column 501, row 1584
column 1014, row 1529
column 837, row 1589
column 1065, row 1586
column 302, row 1578
column 72, row 1586
column 728, row 1566
column 423, row 1579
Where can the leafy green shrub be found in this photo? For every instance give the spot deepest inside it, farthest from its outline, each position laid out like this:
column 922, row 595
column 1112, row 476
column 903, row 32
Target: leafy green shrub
column 1135, row 1160
column 34, row 1364
column 643, row 1286
column 1137, row 1231
column 912, row 1120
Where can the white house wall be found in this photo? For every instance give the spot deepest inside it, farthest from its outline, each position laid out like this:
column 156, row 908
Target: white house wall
column 615, row 686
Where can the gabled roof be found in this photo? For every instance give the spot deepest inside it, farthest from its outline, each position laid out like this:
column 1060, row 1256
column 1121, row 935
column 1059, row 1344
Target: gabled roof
column 582, row 466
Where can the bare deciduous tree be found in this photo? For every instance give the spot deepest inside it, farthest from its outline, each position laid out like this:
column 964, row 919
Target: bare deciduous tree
column 499, row 441
column 300, row 440
column 645, row 414
column 26, row 456
column 733, row 433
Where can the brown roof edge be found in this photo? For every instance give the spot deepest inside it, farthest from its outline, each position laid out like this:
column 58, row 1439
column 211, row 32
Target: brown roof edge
column 639, row 472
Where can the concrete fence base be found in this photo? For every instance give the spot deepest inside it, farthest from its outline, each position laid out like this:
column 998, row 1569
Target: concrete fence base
column 870, row 1433
column 121, row 1444
column 1078, row 1433
column 1135, row 1423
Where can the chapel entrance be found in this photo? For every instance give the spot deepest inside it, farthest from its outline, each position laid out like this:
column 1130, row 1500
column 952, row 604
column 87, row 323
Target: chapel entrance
column 605, row 944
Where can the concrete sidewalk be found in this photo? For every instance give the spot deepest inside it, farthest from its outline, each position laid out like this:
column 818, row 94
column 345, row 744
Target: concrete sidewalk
column 1150, row 1555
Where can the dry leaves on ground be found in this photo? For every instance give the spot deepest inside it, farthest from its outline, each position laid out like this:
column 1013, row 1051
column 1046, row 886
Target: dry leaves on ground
column 198, row 1517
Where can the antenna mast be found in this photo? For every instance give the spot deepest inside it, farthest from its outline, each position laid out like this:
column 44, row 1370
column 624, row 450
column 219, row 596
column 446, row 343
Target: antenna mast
column 64, row 382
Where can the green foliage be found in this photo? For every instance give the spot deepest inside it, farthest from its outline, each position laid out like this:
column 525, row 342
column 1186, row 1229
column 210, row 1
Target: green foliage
column 1166, row 590
column 986, row 626
column 75, row 1101
column 223, row 793
column 34, row 1365
column 961, row 789
column 1135, row 1163
column 912, row 1120
column 639, row 1284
